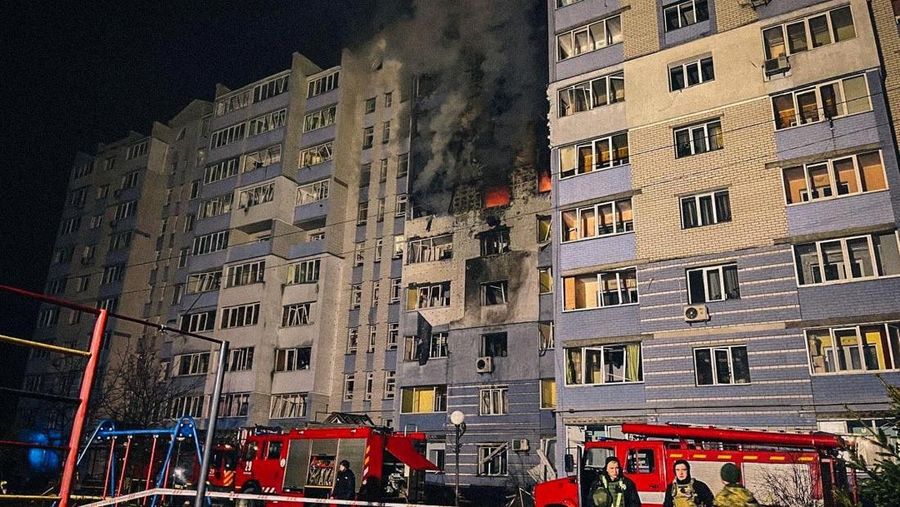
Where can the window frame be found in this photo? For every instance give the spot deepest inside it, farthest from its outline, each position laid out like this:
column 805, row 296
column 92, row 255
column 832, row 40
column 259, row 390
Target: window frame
column 713, row 363
column 237, row 316
column 626, row 226
column 614, row 159
column 607, row 40
column 845, row 257
column 297, row 314
column 587, row 91
column 723, row 290
column 890, row 340
column 833, row 184
column 696, row 198
column 677, row 6
column 487, row 454
column 439, row 403
column 599, row 279
column 600, row 349
column 493, row 401
column 816, row 89
column 807, row 33
column 295, row 402
column 706, row 139
column 685, row 74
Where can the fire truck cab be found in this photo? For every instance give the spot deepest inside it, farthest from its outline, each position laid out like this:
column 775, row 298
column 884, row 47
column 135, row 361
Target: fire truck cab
column 787, row 460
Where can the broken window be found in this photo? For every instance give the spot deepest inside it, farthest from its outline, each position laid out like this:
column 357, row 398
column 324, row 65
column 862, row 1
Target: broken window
column 604, row 364
column 428, row 296
column 316, row 154
column 601, row 219
column 297, row 314
column 545, row 280
column 495, row 293
column 368, row 137
column 547, row 341
column 261, row 158
column 436, row 248
column 352, row 340
column 494, row 242
column 355, row 296
column 589, row 38
column 255, row 196
column 493, row 401
column 493, row 459
column 591, row 94
column 493, row 345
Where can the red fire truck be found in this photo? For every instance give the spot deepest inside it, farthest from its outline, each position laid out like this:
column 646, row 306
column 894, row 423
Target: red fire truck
column 773, row 464
column 304, row 462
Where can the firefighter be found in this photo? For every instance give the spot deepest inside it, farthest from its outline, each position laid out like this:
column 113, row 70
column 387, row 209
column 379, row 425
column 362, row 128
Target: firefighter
column 612, row 489
column 345, row 483
column 733, row 494
column 685, row 491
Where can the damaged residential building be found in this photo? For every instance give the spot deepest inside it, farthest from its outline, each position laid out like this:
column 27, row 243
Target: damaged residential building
column 725, row 213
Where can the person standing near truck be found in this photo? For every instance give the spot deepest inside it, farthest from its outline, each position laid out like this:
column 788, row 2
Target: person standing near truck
column 685, row 491
column 345, row 483
column 612, row 489
column 733, row 494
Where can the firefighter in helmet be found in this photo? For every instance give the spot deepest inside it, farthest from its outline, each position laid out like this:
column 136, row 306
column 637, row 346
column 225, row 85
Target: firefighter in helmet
column 733, row 494
column 345, row 483
column 685, row 491
column 612, row 489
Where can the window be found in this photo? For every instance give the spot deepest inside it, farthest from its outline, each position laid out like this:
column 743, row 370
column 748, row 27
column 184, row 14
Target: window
column 872, row 347
column 365, row 174
column 220, row 170
column 547, row 340
column 48, row 317
column 423, row 399
column 681, row 14
column 697, row 139
column 436, row 248
column 590, row 94
column 192, row 364
column 492, row 460
column 544, row 223
column 433, row 295
column 379, row 210
column 246, row 274
column 399, row 245
column 376, row 286
column 385, row 132
column 493, row 345
column 383, row 170
column 393, row 336
column 186, row 406
column 297, row 314
column 195, row 189
column 129, row 180
column 438, row 346
column 834, row 177
column 76, row 197
column 722, row 365
column 400, row 205
column 316, row 154
column 824, row 101
column 96, row 222
column 705, row 209
column 604, row 364
column 261, row 158
column 102, row 191
column 125, row 210
column 312, row 192
column 323, row 84
column 288, row 406
column 83, row 169
column 716, row 283
column 597, row 290
column 494, row 242
column 359, row 257
column 596, row 220
column 303, row 272
column 319, row 119
column 809, row 33
column 234, row 405
column 69, row 226
column 390, row 384
column 271, row 88
column 396, row 289
column 548, row 394
column 267, row 122
column 87, row 255
column 362, row 213
column 590, row 156
column 352, row 340
column 369, row 387
column 349, row 386
column 255, row 196
column 240, row 316
column 692, row 73
column 545, row 280
column 62, row 255
column 120, row 240
column 82, row 283
column 355, row 296
column 204, row 282
column 210, row 243
column 402, row 165
column 368, row 137
column 388, row 99
column 113, row 273
column 495, row 293
column 240, row 359
column 215, row 206
column 563, row 3
column 227, row 135
column 136, row 150
column 370, row 105
column 198, row 322
column 844, row 259
column 589, row 38
column 293, row 359
column 493, row 401
column 233, row 102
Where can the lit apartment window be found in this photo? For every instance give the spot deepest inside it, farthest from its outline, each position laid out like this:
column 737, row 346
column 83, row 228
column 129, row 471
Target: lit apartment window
column 547, row 340
column 234, row 405
column 198, row 322
column 240, row 359
column 312, row 192
column 233, row 102
column 493, row 401
column 303, row 272
column 323, row 84
column 136, row 150
column 355, row 296
column 227, row 135
column 715, row 283
column 246, row 274
column 261, row 158
column 590, row 94
column 255, row 196
column 316, row 154
column 691, row 73
column 834, row 177
column 494, row 242
column 848, row 349
column 705, row 209
column 297, row 314
column 493, row 460
column 598, row 290
column 240, row 316
column 435, row 295
column 436, row 248
column 192, row 364
column 319, row 119
column 349, row 386
column 722, row 365
column 292, row 359
column 390, row 384
column 602, row 219
column 186, row 406
column 370, row 105
column 210, row 243
column 604, row 364
column 697, row 139
column 846, row 259
column 204, row 282
column 495, row 293
column 402, row 165
column 545, row 280
column 820, row 102
column 809, row 33
column 216, row 206
column 288, row 406
column 493, row 345
column 368, row 137
column 589, row 38
column 590, row 156
column 681, row 14
column 271, row 88
column 423, row 399
column 548, row 394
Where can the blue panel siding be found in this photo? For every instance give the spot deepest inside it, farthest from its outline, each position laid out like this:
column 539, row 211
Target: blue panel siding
column 594, row 185
column 249, row 250
column 587, row 62
column 394, row 312
column 863, row 391
column 360, row 233
column 353, row 318
column 390, row 360
column 425, row 422
column 310, row 211
column 840, row 213
column 212, row 224
column 317, row 136
column 847, row 132
column 216, row 188
column 207, row 261
column 545, row 255
column 597, row 251
column 396, row 267
column 301, row 250
column 851, row 299
column 609, row 321
column 356, row 275
column 315, row 172
column 545, row 306
column 350, row 363
column 610, row 398
column 322, row 100
column 573, row 16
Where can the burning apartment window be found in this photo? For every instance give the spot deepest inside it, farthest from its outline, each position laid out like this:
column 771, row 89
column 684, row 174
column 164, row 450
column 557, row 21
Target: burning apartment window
column 722, row 365
column 494, row 242
column 368, row 137
column 493, row 345
column 434, row 295
column 598, row 290
column 495, row 293
column 604, row 364
column 588, row 95
column 497, row 197
column 716, row 283
column 436, row 248
column 601, row 153
column 705, row 209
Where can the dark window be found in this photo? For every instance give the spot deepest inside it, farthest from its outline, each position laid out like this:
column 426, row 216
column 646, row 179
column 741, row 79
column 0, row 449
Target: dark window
column 493, row 345
column 495, row 242
column 722, row 365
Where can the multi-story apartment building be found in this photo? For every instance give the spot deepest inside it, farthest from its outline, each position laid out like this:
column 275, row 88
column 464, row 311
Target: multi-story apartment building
column 725, row 213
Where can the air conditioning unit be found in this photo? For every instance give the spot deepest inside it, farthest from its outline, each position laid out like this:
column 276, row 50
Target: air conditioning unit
column 520, row 444
column 484, row 364
column 696, row 313
column 778, row 65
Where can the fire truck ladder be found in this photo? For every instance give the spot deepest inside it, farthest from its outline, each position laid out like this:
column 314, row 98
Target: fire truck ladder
column 185, row 428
